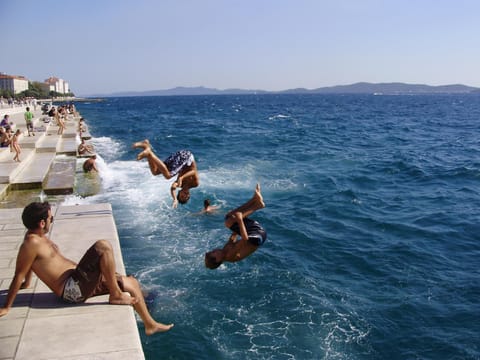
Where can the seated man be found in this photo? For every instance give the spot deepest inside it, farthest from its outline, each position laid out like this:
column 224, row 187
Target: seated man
column 84, row 148
column 252, row 234
column 5, row 137
column 94, row 275
column 182, row 163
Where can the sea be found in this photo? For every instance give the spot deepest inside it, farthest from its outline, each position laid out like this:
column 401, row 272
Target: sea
column 372, row 214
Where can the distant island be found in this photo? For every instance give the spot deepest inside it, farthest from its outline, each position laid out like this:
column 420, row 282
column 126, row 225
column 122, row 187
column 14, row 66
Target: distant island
column 357, row 88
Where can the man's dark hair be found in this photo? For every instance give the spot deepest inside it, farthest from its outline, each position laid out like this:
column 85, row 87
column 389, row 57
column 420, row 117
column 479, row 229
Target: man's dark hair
column 211, row 260
column 183, row 197
column 34, row 213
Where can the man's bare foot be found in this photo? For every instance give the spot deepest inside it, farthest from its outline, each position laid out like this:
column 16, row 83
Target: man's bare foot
column 157, row 327
column 258, row 196
column 142, row 144
column 144, row 154
column 122, row 299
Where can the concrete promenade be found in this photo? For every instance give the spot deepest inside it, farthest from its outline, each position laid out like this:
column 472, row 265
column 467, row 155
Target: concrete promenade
column 41, row 326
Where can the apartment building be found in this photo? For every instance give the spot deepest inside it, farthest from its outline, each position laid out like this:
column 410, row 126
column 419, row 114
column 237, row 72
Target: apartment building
column 15, row 84
column 58, row 85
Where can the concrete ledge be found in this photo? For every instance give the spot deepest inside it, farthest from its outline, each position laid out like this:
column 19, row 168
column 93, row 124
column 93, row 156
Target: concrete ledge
column 49, row 143
column 61, row 177
column 67, row 146
column 34, row 175
column 9, row 169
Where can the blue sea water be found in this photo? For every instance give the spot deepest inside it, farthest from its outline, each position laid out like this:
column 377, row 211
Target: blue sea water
column 372, row 216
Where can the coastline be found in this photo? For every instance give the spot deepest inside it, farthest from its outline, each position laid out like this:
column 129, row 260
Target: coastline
column 111, row 331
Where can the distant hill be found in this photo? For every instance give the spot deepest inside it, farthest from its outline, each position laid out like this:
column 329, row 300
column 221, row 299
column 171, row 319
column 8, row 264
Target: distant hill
column 357, row 88
column 394, row 88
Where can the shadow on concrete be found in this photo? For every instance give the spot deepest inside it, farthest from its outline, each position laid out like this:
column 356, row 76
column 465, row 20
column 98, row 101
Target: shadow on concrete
column 42, row 300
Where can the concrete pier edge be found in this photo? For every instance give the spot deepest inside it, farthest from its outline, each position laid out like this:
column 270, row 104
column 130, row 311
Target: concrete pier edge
column 41, row 326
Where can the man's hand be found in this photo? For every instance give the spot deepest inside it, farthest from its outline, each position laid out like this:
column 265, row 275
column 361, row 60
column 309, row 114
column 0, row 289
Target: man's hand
column 175, row 203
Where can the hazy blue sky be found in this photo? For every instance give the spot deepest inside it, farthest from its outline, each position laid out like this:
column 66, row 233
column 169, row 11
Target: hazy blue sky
column 105, row 46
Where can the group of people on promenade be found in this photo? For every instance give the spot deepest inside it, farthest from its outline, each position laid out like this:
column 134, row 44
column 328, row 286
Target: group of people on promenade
column 8, row 138
column 95, row 273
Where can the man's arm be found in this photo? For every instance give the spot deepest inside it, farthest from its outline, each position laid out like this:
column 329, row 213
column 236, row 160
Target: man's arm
column 23, row 272
column 192, row 172
column 173, row 192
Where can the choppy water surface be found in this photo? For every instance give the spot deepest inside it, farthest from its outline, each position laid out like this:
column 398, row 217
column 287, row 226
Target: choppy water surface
column 372, row 219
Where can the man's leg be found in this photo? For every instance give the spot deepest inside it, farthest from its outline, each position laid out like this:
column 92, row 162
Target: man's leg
column 107, row 268
column 131, row 285
column 156, row 165
column 247, row 209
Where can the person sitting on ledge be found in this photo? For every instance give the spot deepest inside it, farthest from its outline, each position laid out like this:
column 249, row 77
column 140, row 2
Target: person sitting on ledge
column 74, row 283
column 252, row 234
column 5, row 137
column 90, row 165
column 85, row 148
column 5, row 121
column 182, row 163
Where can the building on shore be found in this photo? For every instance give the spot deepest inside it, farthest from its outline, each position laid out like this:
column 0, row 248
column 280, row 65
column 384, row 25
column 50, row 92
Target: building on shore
column 57, row 85
column 16, row 84
column 13, row 83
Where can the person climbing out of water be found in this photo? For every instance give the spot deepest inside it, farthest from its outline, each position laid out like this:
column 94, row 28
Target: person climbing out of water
column 252, row 234
column 90, row 165
column 74, row 283
column 181, row 163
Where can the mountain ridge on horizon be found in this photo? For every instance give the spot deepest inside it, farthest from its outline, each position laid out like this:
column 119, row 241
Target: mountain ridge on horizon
column 393, row 88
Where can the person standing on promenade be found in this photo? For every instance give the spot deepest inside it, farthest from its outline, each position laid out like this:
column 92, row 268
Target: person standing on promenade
column 252, row 234
column 74, row 283
column 60, row 119
column 181, row 163
column 15, row 146
column 90, row 165
column 29, row 120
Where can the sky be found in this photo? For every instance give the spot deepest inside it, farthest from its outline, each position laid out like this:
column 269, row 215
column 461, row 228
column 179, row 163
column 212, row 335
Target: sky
column 107, row 46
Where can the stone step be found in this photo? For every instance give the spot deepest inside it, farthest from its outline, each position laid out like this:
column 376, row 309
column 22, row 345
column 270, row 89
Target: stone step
column 9, row 169
column 61, row 177
column 33, row 175
column 49, row 143
column 67, row 146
